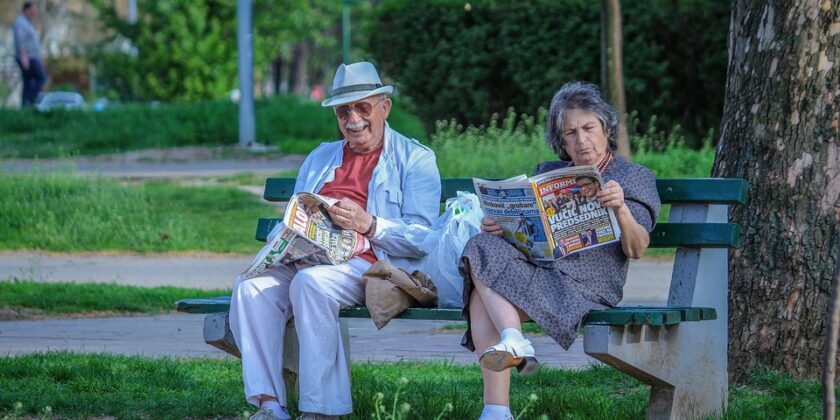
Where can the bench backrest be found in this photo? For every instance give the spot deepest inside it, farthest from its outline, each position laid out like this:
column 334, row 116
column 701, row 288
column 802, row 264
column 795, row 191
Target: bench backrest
column 682, row 192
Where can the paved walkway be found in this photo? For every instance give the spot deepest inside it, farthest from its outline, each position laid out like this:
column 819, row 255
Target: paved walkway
column 166, row 163
column 180, row 334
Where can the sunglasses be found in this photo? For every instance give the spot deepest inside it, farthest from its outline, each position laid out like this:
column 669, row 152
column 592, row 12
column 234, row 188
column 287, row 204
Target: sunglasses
column 364, row 109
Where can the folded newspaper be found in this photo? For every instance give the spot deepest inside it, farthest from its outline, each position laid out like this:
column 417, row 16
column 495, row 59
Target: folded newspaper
column 551, row 215
column 307, row 231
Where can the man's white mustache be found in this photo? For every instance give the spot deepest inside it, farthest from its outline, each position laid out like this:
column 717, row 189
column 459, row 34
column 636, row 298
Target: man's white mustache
column 355, row 126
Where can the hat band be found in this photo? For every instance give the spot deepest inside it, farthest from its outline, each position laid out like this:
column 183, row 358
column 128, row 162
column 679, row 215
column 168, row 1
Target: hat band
column 356, row 88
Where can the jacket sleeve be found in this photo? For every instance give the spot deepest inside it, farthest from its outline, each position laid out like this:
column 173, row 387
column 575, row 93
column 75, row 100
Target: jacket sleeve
column 420, row 207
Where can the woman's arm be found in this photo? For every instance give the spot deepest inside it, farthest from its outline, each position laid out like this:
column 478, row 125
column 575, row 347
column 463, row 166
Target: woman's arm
column 634, row 237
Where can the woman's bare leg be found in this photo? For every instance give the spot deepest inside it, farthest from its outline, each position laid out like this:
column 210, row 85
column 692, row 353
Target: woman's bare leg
column 484, row 335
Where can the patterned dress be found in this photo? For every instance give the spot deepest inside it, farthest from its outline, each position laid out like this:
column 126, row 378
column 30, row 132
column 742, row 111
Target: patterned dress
column 557, row 295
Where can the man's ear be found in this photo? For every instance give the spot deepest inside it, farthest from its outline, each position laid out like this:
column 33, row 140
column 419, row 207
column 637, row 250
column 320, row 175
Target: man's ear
column 386, row 104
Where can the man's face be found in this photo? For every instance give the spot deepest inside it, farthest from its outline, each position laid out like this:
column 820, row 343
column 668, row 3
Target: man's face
column 363, row 122
column 587, row 187
column 31, row 12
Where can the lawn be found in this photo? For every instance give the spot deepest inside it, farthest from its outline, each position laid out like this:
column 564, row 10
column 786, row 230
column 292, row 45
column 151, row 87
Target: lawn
column 67, row 213
column 26, row 299
column 72, row 385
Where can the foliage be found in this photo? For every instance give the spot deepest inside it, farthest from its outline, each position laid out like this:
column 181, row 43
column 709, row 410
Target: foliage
column 469, row 63
column 103, row 385
column 186, row 50
column 283, row 120
column 86, row 298
column 65, row 213
column 476, row 151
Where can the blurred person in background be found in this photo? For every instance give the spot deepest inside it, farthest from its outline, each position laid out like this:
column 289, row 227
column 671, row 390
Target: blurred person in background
column 28, row 54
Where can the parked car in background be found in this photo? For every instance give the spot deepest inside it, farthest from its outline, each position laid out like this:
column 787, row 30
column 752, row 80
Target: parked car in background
column 60, row 100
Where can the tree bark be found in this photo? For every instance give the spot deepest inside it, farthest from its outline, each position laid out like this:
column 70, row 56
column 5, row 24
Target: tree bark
column 299, row 83
column 612, row 76
column 780, row 132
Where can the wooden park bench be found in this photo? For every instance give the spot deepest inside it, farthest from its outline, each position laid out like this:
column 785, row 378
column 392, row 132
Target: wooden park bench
column 680, row 350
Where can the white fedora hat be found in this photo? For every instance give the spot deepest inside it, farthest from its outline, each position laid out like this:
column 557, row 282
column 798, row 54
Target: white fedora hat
column 354, row 82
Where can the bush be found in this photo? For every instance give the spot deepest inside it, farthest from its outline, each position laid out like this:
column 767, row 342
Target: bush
column 514, row 145
column 470, row 64
column 283, row 120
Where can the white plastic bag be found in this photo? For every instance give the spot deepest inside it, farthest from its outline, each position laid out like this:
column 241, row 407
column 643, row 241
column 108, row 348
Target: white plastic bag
column 444, row 242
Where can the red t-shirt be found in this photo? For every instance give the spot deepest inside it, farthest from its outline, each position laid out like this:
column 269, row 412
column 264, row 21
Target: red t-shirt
column 351, row 182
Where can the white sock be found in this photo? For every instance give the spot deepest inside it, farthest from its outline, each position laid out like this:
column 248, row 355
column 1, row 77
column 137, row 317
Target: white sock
column 511, row 334
column 275, row 408
column 495, row 412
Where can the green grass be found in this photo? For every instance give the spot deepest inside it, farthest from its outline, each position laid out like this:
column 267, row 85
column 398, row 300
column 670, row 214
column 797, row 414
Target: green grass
column 101, row 385
column 65, row 213
column 55, row 299
column 296, row 125
column 509, row 147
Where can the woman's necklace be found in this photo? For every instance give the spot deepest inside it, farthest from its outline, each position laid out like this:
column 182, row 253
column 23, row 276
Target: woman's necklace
column 602, row 166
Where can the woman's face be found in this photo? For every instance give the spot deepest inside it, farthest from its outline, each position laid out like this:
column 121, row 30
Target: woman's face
column 584, row 138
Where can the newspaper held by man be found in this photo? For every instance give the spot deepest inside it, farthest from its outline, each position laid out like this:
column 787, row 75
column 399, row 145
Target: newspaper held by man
column 307, row 231
column 550, row 215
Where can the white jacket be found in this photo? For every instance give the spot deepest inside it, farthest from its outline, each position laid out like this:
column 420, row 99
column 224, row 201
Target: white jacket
column 404, row 191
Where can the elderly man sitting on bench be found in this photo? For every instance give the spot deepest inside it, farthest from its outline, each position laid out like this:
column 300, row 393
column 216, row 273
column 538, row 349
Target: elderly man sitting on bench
column 385, row 183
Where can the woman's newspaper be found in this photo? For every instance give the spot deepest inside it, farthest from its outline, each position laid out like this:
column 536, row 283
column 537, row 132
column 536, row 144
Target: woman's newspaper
column 551, row 215
column 307, row 231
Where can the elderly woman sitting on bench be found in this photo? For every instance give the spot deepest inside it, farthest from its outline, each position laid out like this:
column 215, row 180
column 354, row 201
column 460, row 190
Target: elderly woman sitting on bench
column 503, row 288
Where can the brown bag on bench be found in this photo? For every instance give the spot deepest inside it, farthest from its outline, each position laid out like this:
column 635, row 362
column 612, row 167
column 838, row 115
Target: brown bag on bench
column 390, row 290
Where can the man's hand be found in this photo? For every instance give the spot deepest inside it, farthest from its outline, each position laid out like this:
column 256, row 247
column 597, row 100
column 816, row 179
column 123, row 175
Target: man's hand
column 489, row 225
column 612, row 196
column 25, row 62
column 349, row 215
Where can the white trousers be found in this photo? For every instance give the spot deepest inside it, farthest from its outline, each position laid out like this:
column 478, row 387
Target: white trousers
column 313, row 295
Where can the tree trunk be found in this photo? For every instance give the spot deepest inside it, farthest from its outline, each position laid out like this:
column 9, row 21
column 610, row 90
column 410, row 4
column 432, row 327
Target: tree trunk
column 299, row 83
column 612, row 75
column 780, row 132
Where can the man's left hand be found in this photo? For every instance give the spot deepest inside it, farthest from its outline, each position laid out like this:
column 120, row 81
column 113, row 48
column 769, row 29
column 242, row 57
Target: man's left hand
column 349, row 215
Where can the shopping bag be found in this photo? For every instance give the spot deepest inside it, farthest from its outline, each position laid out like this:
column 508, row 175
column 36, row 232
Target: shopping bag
column 444, row 242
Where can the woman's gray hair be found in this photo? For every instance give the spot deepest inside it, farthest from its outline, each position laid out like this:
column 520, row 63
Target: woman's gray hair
column 585, row 97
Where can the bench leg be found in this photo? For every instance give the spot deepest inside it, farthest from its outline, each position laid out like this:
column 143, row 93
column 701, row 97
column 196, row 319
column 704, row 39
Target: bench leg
column 217, row 333
column 684, row 367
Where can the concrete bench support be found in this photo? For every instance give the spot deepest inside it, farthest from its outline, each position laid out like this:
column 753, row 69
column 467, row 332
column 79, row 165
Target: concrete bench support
column 217, row 333
column 684, row 364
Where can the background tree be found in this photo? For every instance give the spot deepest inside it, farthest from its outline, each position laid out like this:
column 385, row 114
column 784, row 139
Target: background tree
column 780, row 131
column 470, row 64
column 612, row 73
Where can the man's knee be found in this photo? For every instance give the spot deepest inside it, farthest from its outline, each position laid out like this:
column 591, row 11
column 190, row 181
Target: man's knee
column 306, row 283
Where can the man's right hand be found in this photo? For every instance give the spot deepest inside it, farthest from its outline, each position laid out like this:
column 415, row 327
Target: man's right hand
column 25, row 62
column 489, row 225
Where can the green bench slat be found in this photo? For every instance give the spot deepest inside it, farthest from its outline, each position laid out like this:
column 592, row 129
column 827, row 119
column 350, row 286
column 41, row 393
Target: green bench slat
column 616, row 316
column 664, row 235
column 654, row 316
column 695, row 235
column 702, row 190
column 433, row 314
column 671, row 191
column 203, row 306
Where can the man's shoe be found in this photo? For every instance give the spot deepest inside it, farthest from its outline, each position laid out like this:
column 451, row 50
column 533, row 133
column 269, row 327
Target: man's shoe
column 264, row 414
column 508, row 354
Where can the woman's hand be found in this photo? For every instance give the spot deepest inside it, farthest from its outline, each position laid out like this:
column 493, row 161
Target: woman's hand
column 489, row 225
column 349, row 215
column 611, row 196
column 634, row 238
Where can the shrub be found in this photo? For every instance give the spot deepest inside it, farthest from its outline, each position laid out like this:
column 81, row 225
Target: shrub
column 283, row 120
column 470, row 64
